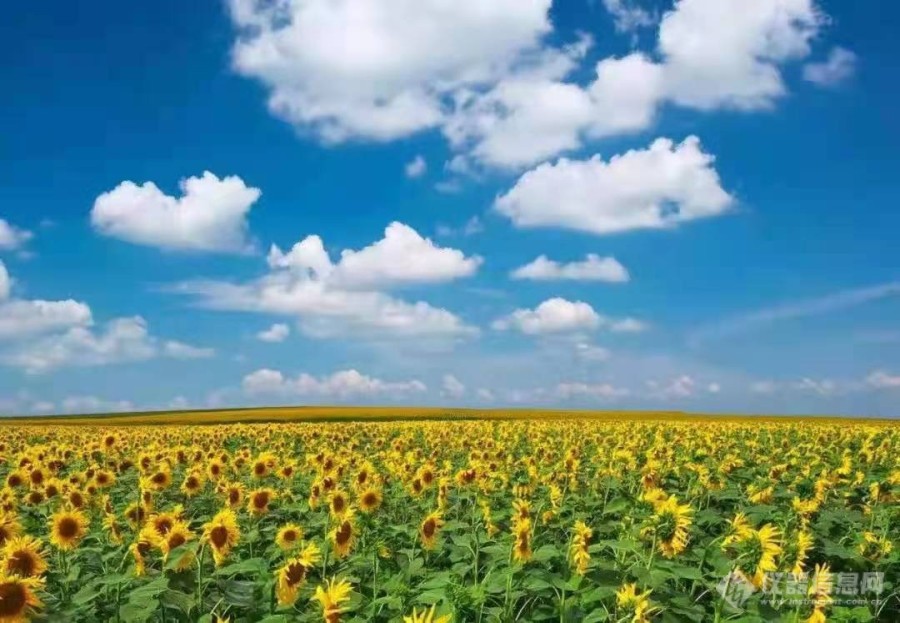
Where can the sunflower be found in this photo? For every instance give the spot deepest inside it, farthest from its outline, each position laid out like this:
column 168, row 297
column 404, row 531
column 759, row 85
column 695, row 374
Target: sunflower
column 294, row 573
column 338, row 504
column 177, row 536
column 222, row 534
column 215, row 469
column 522, row 545
column 426, row 616
column 738, row 528
column 331, row 596
column 104, row 479
column 259, row 500
column 370, row 499
column 192, row 484
column 578, row 551
column 672, row 523
column 637, row 604
column 17, row 598
column 430, row 529
column 135, row 514
column 343, row 537
column 234, row 495
column 795, row 553
column 289, row 536
column 9, row 527
column 139, row 550
column 758, row 551
column 161, row 523
column 874, row 547
column 161, row 479
column 23, row 556
column 67, row 528
column 819, row 592
column 111, row 525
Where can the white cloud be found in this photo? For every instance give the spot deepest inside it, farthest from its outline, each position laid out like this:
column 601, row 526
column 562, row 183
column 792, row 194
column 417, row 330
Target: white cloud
column 726, row 53
column 627, row 16
column 713, row 388
column 278, row 332
column 683, row 386
column 471, row 227
column 507, row 97
column 600, row 391
column 121, row 340
column 823, row 387
column 658, row 187
column 556, row 315
column 628, row 325
column 416, row 167
column 180, row 350
column 402, row 257
column 341, row 385
column 12, row 238
column 451, row 387
column 21, row 319
column 378, row 71
column 879, row 379
column 837, row 68
column 211, row 214
column 590, row 352
column 333, row 299
column 5, row 282
column 592, row 268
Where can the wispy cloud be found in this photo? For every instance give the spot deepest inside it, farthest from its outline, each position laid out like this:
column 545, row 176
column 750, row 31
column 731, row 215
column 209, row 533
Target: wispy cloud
column 837, row 301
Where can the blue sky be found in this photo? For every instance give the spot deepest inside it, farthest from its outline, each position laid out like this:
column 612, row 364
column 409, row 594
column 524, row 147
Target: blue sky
column 711, row 184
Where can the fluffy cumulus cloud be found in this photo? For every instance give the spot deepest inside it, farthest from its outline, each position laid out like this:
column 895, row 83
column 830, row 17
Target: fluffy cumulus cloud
column 351, row 295
column 120, row 340
column 278, row 332
column 210, row 215
column 837, row 68
column 402, row 257
column 342, row 385
column 22, row 318
column 12, row 238
column 592, row 268
column 561, row 316
column 378, row 71
column 508, row 98
column 556, row 315
column 89, row 404
column 452, row 387
column 661, row 186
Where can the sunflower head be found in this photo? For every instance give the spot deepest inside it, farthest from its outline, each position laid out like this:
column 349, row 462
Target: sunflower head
column 289, row 536
column 67, row 528
column 18, row 598
column 23, row 557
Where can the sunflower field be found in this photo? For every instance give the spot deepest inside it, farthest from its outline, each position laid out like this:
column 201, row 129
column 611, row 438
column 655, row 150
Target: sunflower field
column 570, row 520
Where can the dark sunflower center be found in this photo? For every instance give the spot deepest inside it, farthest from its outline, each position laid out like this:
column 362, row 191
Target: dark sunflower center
column 261, row 500
column 290, row 536
column 259, row 469
column 428, row 528
column 344, row 533
column 176, row 540
column 67, row 528
column 12, row 599
column 163, row 525
column 296, row 573
column 159, row 478
column 337, row 504
column 233, row 496
column 219, row 536
column 370, row 499
column 21, row 563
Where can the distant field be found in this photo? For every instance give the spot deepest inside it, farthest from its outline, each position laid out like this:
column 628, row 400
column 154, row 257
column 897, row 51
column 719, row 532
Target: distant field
column 333, row 414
